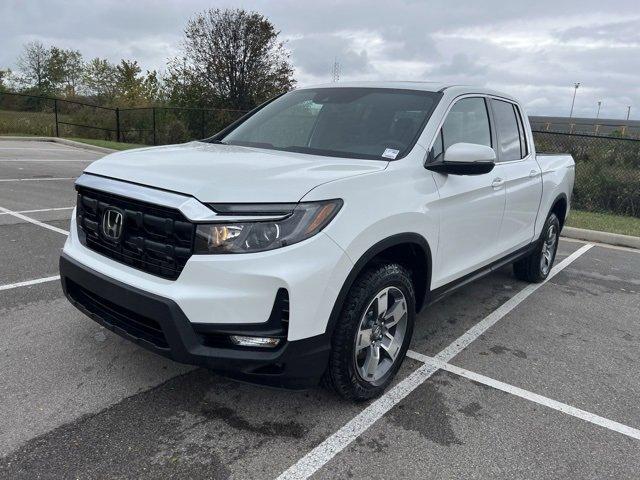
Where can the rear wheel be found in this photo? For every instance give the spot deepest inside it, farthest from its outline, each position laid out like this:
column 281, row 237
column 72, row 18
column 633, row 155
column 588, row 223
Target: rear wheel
column 373, row 333
column 536, row 267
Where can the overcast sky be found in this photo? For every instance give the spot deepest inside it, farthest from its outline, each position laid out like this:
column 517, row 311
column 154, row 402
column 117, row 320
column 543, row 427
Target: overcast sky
column 535, row 50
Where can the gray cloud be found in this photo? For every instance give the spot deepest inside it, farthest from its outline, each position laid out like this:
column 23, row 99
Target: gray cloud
column 460, row 63
column 620, row 33
column 535, row 50
column 316, row 53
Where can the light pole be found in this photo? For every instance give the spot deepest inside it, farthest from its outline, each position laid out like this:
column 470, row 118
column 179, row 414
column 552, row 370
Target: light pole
column 598, row 113
column 628, row 111
column 575, row 90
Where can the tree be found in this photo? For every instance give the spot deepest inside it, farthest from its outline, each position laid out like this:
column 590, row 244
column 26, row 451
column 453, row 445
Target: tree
column 181, row 88
column 99, row 80
column 133, row 88
column 33, row 65
column 231, row 58
column 50, row 71
column 65, row 69
column 6, row 80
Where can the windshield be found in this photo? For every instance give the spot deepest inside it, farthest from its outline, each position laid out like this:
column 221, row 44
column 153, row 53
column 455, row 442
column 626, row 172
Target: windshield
column 373, row 123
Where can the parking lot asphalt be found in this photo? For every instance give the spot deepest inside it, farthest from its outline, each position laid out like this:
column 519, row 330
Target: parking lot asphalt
column 76, row 401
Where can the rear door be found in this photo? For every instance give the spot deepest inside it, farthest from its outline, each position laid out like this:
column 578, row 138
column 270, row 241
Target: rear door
column 520, row 171
column 470, row 206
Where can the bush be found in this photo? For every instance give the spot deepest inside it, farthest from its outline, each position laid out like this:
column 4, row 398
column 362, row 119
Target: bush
column 26, row 123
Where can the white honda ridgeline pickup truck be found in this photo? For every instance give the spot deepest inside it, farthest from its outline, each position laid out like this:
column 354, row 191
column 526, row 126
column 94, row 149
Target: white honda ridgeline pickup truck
column 300, row 243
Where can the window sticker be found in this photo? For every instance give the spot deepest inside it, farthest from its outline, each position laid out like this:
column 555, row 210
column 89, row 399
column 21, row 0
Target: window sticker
column 390, row 153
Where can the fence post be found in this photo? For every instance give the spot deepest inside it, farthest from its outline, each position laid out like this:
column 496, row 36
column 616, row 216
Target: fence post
column 55, row 113
column 153, row 116
column 202, row 124
column 117, row 124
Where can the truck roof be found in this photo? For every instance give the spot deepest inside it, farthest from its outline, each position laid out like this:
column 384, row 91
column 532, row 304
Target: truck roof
column 453, row 89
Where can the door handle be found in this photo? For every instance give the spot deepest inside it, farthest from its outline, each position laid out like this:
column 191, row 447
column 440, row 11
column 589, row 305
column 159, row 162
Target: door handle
column 497, row 182
column 534, row 173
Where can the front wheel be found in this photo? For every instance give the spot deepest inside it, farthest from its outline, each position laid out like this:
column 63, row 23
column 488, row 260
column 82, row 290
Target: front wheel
column 536, row 267
column 373, row 333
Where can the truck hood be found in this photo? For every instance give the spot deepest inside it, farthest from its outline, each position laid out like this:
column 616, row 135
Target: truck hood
column 227, row 173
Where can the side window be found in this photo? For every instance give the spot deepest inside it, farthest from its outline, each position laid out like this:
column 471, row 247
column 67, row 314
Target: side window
column 511, row 141
column 438, row 148
column 467, row 121
column 524, row 150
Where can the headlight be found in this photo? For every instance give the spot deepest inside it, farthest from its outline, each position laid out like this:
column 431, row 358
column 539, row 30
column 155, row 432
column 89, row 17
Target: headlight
column 306, row 220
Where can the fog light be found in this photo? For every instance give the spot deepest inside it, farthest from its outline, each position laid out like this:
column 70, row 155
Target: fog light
column 262, row 342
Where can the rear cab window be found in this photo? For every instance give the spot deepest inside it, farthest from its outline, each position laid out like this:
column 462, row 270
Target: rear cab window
column 512, row 142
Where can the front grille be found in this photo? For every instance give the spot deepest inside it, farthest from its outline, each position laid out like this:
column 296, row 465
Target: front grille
column 154, row 239
column 134, row 324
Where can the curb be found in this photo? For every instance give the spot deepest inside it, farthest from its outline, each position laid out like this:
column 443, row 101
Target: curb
column 62, row 141
column 601, row 237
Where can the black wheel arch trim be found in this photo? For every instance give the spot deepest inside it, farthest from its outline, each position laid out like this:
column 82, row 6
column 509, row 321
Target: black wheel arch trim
column 560, row 196
column 392, row 241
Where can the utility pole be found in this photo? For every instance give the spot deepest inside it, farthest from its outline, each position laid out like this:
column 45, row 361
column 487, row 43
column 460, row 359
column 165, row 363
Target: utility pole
column 575, row 90
column 599, row 105
column 336, row 71
column 628, row 111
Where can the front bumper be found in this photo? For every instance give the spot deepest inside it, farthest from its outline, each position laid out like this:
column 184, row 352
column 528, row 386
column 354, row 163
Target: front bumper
column 159, row 324
column 240, row 289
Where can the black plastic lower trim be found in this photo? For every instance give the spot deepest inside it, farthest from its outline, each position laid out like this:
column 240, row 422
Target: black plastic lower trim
column 158, row 324
column 447, row 289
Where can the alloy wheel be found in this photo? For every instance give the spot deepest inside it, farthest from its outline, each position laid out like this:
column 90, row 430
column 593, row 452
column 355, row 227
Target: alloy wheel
column 380, row 335
column 549, row 249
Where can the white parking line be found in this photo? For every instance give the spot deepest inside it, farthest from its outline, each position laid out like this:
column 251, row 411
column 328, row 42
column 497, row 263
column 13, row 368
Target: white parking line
column 38, row 149
column 527, row 395
column 35, row 179
column 33, row 220
column 338, row 441
column 603, row 245
column 44, row 160
column 29, row 282
column 40, row 210
column 479, row 328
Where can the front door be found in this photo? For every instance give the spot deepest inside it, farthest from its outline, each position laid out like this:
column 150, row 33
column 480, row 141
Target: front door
column 470, row 206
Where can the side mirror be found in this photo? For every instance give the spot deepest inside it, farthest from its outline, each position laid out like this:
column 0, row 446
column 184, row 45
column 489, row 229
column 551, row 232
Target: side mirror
column 465, row 159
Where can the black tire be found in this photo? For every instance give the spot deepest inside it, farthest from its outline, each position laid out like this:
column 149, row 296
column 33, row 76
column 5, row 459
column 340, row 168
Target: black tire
column 342, row 372
column 531, row 268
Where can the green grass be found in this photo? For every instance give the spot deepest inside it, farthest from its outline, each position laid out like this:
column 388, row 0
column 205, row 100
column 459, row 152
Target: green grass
column 604, row 222
column 107, row 143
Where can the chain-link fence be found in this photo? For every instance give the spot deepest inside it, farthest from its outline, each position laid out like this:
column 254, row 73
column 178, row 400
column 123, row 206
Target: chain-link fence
column 32, row 115
column 166, row 125
column 607, row 170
